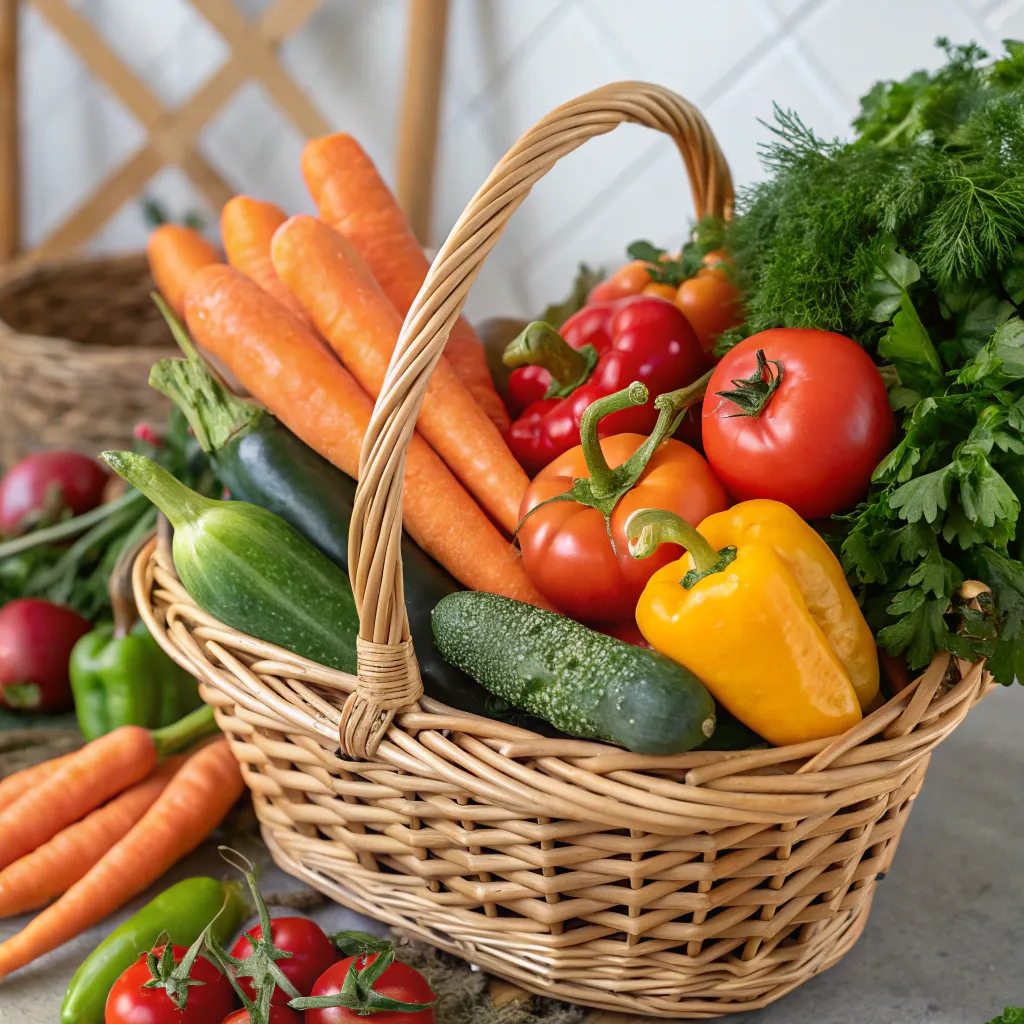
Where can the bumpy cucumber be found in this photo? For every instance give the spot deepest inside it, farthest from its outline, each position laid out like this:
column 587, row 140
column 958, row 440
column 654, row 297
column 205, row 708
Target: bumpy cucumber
column 584, row 683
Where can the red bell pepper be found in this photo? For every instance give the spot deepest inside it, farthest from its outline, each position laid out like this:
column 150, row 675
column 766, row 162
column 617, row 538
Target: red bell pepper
column 601, row 350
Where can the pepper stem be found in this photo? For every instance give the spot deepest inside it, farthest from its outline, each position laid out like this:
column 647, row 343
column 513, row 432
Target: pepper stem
column 179, row 503
column 648, row 528
column 603, row 479
column 753, row 393
column 184, row 732
column 539, row 344
column 671, row 406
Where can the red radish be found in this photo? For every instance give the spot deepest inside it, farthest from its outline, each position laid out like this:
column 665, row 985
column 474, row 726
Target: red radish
column 43, row 485
column 36, row 638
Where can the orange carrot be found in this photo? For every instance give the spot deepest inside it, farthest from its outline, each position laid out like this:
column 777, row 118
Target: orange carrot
column 290, row 371
column 88, row 778
column 247, row 227
column 353, row 198
column 54, row 867
column 332, row 282
column 193, row 804
column 13, row 786
column 175, row 252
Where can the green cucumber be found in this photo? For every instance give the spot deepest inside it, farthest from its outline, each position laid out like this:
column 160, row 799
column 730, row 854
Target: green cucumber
column 584, row 683
column 251, row 570
column 262, row 462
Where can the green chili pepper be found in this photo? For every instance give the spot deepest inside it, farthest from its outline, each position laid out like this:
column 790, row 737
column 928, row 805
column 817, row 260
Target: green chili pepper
column 127, row 680
column 182, row 912
column 119, row 674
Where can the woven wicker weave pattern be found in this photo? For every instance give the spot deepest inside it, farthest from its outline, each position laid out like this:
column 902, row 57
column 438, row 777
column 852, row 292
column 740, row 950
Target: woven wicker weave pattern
column 681, row 887
column 77, row 340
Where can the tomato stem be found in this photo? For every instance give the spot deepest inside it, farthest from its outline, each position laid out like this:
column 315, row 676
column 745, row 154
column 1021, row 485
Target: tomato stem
column 753, row 393
column 604, row 481
column 539, row 344
column 605, row 487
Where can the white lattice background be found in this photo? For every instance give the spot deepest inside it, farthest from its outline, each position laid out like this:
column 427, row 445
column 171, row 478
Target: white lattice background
column 509, row 62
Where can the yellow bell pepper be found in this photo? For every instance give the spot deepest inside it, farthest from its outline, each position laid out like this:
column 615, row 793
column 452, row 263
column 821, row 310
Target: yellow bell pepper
column 759, row 609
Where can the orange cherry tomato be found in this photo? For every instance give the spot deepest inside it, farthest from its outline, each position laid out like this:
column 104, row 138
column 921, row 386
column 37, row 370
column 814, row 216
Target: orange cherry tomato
column 718, row 262
column 711, row 302
column 663, row 291
column 630, row 279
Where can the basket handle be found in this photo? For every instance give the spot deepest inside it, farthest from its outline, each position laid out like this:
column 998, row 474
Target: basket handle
column 388, row 675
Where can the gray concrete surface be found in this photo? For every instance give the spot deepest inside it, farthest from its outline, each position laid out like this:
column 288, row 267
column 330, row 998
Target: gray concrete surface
column 945, row 941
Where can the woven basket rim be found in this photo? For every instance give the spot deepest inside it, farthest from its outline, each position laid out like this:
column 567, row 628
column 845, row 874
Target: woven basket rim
column 815, row 776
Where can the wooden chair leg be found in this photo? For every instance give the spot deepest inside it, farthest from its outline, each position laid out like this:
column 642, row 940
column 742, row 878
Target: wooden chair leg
column 10, row 154
column 421, row 108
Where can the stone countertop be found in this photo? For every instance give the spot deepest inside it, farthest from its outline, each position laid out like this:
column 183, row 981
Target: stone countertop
column 944, row 943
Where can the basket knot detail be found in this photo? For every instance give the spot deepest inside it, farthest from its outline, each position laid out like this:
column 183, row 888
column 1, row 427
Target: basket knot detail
column 389, row 679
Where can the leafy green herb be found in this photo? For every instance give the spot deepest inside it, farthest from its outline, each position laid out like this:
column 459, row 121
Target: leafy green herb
column 910, row 239
column 708, row 236
column 1011, row 1015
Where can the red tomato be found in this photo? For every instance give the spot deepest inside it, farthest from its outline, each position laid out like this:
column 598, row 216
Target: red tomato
column 278, row 1015
column 399, row 981
column 312, row 953
column 817, row 438
column 565, row 545
column 130, row 1003
column 47, row 482
column 36, row 638
column 711, row 302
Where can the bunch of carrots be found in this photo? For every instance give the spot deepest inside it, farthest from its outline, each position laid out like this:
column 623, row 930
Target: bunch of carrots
column 96, row 827
column 305, row 315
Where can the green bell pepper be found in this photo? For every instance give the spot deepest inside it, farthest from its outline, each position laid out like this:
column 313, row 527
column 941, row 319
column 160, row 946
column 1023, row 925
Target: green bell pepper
column 180, row 912
column 127, row 680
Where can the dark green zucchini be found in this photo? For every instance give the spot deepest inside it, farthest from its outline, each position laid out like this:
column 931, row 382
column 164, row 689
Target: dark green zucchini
column 584, row 683
column 731, row 734
column 250, row 569
column 262, row 462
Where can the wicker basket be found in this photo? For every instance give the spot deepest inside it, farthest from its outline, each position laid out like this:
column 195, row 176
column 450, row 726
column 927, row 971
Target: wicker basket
column 687, row 886
column 77, row 340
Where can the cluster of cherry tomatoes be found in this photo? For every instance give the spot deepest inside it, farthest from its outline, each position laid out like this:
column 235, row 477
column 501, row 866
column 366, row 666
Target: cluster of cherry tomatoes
column 311, row 963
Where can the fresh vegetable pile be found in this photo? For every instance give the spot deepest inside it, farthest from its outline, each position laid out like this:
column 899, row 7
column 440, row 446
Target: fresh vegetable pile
column 698, row 501
column 170, row 963
column 861, row 309
column 94, row 828
column 68, row 533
